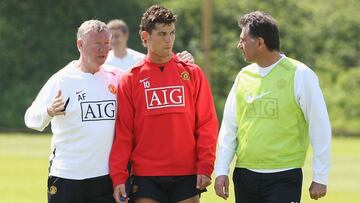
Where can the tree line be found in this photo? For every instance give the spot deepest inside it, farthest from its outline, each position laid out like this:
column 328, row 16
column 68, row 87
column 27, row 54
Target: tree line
column 37, row 38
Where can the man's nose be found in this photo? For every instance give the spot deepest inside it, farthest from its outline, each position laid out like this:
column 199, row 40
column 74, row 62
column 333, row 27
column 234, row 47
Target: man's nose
column 239, row 45
column 168, row 38
column 104, row 48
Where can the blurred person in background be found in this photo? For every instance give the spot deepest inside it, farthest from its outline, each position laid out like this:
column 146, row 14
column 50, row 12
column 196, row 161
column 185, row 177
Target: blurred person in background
column 123, row 57
column 272, row 111
column 120, row 55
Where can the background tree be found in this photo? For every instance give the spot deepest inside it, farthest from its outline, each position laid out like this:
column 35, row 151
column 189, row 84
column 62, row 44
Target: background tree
column 37, row 38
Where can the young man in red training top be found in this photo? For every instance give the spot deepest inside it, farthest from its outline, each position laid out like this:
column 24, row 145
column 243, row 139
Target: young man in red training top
column 166, row 123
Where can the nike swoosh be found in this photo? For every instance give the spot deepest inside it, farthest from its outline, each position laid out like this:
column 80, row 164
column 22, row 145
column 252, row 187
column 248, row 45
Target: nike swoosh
column 143, row 80
column 251, row 99
column 78, row 92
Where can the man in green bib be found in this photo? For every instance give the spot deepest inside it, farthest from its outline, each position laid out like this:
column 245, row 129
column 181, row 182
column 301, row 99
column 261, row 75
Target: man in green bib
column 274, row 109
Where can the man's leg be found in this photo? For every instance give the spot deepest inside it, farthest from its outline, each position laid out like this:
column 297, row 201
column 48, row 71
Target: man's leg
column 283, row 187
column 246, row 186
column 62, row 190
column 194, row 199
column 145, row 200
column 147, row 189
column 184, row 190
column 99, row 190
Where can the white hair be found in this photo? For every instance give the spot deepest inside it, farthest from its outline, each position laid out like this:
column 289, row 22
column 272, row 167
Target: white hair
column 91, row 25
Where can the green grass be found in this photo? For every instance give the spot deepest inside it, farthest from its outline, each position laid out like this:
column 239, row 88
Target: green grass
column 23, row 168
column 24, row 163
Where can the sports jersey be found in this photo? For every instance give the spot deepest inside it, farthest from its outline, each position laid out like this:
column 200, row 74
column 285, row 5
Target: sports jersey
column 272, row 131
column 131, row 58
column 309, row 98
column 166, row 122
column 82, row 138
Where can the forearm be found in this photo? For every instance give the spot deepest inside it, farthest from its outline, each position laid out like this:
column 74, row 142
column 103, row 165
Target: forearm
column 37, row 118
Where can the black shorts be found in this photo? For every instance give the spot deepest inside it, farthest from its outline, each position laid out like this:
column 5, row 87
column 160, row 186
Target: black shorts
column 164, row 189
column 92, row 190
column 280, row 187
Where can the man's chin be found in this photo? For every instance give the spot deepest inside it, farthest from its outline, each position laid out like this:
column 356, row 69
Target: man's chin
column 100, row 62
column 165, row 54
column 169, row 53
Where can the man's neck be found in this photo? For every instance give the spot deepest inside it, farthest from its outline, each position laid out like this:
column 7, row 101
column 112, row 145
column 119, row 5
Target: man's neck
column 154, row 58
column 86, row 68
column 268, row 58
column 120, row 52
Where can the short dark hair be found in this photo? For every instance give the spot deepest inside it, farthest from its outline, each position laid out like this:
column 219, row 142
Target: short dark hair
column 262, row 25
column 156, row 14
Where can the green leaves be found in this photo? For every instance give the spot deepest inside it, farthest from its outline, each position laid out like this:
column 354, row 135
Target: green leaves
column 37, row 38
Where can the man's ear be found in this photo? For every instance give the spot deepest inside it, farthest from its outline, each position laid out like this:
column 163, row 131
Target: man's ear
column 79, row 44
column 261, row 42
column 144, row 37
column 126, row 36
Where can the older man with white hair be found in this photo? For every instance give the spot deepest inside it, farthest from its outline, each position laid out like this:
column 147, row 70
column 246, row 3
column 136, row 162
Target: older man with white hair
column 80, row 102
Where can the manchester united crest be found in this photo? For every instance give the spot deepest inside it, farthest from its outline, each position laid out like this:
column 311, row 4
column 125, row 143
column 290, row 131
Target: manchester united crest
column 185, row 75
column 135, row 188
column 112, row 88
column 52, row 190
column 281, row 84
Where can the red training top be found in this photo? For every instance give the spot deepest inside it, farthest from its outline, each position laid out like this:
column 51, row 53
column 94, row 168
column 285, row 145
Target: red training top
column 166, row 122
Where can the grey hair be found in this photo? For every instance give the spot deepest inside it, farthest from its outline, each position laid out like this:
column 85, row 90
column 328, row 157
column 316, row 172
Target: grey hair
column 91, row 25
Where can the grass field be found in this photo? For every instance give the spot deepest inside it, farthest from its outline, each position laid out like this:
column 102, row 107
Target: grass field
column 23, row 171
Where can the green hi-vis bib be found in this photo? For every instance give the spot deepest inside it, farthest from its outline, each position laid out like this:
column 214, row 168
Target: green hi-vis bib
column 272, row 129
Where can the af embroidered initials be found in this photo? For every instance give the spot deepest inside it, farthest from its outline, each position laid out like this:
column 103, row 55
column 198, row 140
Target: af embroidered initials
column 81, row 96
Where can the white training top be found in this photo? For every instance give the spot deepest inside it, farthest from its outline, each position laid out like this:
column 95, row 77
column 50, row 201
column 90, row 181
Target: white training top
column 82, row 138
column 309, row 97
column 131, row 59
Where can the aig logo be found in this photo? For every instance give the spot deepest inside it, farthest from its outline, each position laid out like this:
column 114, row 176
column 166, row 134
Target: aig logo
column 98, row 110
column 266, row 108
column 163, row 97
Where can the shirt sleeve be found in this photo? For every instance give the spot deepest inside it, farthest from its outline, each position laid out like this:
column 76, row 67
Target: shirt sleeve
column 36, row 116
column 311, row 101
column 122, row 145
column 206, row 127
column 227, row 142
